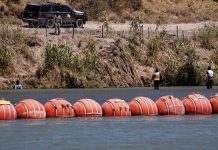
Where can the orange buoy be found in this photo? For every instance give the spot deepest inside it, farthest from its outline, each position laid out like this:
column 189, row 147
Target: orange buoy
column 214, row 103
column 87, row 108
column 116, row 107
column 197, row 104
column 59, row 108
column 30, row 109
column 170, row 105
column 143, row 106
column 7, row 111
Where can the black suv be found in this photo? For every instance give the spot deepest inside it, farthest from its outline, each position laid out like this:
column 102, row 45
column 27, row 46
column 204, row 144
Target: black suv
column 42, row 14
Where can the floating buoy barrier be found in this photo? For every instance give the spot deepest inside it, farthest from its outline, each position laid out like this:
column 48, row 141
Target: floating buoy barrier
column 214, row 103
column 116, row 107
column 59, row 108
column 197, row 104
column 7, row 111
column 170, row 105
column 143, row 106
column 87, row 108
column 30, row 109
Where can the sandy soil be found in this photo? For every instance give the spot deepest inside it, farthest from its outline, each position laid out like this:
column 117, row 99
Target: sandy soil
column 168, row 27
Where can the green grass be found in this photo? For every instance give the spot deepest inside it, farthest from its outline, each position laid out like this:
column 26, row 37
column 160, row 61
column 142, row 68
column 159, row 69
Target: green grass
column 57, row 55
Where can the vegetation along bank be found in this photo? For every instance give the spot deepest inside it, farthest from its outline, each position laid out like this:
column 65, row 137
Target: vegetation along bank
column 89, row 58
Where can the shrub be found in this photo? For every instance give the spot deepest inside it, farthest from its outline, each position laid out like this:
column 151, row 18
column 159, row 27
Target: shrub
column 112, row 3
column 136, row 4
column 77, row 65
column 73, row 70
column 134, row 51
column 214, row 60
column 58, row 55
column 5, row 58
column 94, row 8
column 155, row 43
column 188, row 73
column 171, row 66
column 106, row 24
column 15, row 35
column 214, row 56
column 208, row 36
column 135, row 32
column 91, row 60
column 26, row 52
column 182, row 69
column 73, row 80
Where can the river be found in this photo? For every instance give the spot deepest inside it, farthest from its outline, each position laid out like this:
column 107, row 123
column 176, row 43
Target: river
column 194, row 132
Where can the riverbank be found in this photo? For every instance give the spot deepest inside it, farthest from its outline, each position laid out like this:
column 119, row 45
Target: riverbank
column 119, row 58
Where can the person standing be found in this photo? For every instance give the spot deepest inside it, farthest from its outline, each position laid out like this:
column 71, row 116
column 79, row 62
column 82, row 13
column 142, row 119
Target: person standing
column 18, row 86
column 57, row 22
column 157, row 79
column 209, row 78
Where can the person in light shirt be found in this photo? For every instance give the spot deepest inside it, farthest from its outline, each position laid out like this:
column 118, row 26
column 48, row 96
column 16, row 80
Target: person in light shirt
column 209, row 78
column 18, row 86
column 157, row 79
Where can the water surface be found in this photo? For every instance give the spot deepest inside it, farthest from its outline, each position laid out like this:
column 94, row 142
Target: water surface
column 194, row 132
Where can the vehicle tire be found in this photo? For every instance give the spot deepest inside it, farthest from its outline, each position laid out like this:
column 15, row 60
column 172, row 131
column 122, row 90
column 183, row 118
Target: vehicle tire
column 50, row 23
column 32, row 24
column 79, row 23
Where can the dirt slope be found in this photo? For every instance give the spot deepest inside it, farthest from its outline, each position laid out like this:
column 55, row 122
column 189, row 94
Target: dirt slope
column 148, row 11
column 125, row 63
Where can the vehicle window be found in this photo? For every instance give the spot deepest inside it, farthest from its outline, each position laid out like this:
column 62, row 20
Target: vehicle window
column 46, row 8
column 32, row 8
column 65, row 9
column 56, row 8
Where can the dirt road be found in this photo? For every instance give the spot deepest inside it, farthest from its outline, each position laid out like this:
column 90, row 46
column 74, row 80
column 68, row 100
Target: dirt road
column 171, row 28
column 92, row 28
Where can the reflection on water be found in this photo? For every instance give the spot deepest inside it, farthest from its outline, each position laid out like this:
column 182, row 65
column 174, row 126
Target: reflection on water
column 216, row 117
column 172, row 118
column 33, row 122
column 127, row 133
column 145, row 118
column 4, row 124
column 199, row 117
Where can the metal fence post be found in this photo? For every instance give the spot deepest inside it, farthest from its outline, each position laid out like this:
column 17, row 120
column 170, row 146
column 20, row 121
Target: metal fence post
column 148, row 32
column 142, row 31
column 183, row 36
column 177, row 32
column 102, row 31
column 73, row 32
column 46, row 31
